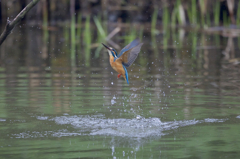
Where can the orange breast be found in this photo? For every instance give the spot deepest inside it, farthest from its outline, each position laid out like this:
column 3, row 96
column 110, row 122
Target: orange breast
column 117, row 65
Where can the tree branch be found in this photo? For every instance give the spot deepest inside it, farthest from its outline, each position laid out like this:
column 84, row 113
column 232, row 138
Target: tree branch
column 11, row 24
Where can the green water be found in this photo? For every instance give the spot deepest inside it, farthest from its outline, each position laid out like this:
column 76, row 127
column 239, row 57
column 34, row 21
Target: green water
column 182, row 102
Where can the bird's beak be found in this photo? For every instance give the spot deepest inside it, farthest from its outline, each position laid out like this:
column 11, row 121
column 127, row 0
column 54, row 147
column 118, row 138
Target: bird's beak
column 106, row 46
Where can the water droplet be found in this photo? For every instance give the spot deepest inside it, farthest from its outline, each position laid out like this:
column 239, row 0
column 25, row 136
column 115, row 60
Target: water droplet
column 113, row 100
column 138, row 117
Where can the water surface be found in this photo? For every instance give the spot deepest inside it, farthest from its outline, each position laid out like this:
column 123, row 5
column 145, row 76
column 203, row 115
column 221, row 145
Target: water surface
column 182, row 101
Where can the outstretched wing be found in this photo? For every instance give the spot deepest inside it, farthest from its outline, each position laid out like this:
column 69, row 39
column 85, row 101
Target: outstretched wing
column 129, row 56
column 129, row 46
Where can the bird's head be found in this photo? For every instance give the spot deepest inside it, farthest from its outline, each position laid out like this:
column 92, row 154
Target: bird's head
column 111, row 51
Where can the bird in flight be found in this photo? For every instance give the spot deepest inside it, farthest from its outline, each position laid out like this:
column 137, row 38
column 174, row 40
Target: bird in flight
column 125, row 59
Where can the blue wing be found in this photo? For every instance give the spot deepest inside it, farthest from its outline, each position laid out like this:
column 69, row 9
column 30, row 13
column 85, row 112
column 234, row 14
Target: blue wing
column 128, row 57
column 129, row 46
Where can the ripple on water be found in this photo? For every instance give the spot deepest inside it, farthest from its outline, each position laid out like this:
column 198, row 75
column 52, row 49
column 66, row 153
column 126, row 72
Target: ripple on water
column 2, row 119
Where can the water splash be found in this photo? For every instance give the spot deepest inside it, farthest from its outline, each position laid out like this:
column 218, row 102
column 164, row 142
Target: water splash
column 99, row 125
column 113, row 100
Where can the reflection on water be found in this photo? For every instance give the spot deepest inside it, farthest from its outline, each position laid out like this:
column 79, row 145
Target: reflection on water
column 182, row 101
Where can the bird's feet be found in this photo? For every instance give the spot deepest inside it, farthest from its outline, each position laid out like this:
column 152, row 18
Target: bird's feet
column 119, row 75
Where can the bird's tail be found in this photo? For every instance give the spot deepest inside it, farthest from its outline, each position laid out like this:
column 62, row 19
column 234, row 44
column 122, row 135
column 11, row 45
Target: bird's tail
column 126, row 74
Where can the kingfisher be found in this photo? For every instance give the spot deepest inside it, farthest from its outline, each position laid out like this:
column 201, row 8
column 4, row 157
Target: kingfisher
column 125, row 59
